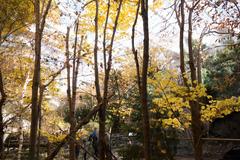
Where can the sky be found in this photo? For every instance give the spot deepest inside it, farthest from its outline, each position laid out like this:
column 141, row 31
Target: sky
column 161, row 35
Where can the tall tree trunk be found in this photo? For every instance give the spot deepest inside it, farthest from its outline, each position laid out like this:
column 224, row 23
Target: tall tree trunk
column 2, row 101
column 102, row 119
column 42, row 88
column 190, row 50
column 102, row 111
column 144, row 92
column 35, row 83
column 195, row 106
column 39, row 134
column 142, row 81
column 104, row 37
column 97, row 85
column 181, row 41
column 75, row 67
column 72, row 106
column 39, row 27
column 69, row 96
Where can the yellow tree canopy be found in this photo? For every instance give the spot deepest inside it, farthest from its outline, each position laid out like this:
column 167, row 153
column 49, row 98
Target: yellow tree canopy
column 14, row 15
column 172, row 101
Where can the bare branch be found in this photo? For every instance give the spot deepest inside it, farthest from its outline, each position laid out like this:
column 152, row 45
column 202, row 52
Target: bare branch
column 104, row 38
column 133, row 47
column 45, row 16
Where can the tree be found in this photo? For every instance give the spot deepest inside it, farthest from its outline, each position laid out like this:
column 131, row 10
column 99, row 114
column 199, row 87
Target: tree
column 40, row 23
column 144, row 93
column 102, row 100
column 43, row 87
column 224, row 17
column 72, row 87
column 142, row 76
column 3, row 99
column 221, row 68
column 14, row 15
column 194, row 104
column 108, row 65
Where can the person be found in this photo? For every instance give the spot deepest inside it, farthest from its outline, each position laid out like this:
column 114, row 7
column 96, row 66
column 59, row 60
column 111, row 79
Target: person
column 94, row 139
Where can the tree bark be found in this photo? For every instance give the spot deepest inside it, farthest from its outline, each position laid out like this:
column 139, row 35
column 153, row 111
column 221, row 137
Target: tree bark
column 70, row 101
column 73, row 103
column 181, row 42
column 2, row 102
column 97, row 86
column 35, row 83
column 142, row 79
column 104, row 38
column 135, row 53
column 42, row 89
column 102, row 111
column 190, row 50
column 71, row 92
column 76, row 61
column 39, row 27
column 195, row 106
column 144, row 92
